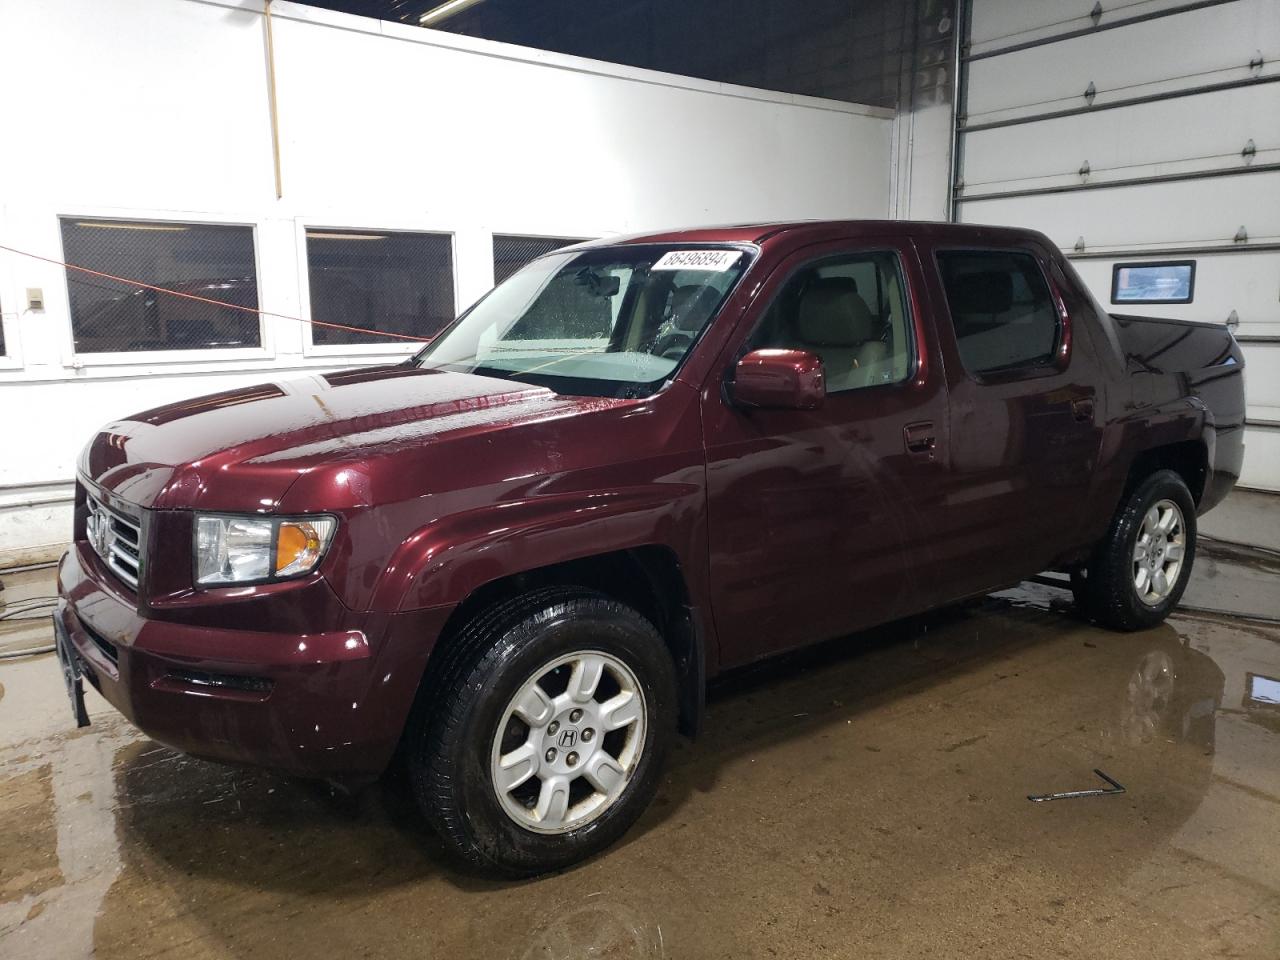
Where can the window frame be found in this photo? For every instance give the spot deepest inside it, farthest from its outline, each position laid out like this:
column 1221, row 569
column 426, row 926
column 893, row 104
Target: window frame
column 392, row 347
column 12, row 306
column 1060, row 357
column 911, row 320
column 142, row 358
column 1129, row 265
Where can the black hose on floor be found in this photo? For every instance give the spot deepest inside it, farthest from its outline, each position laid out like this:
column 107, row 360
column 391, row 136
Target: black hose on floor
column 30, row 608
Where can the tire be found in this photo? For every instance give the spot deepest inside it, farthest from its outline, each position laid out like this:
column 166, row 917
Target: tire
column 468, row 726
column 1080, row 591
column 1109, row 591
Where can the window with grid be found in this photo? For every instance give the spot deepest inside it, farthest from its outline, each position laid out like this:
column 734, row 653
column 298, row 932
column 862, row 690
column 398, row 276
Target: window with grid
column 204, row 265
column 379, row 281
column 510, row 253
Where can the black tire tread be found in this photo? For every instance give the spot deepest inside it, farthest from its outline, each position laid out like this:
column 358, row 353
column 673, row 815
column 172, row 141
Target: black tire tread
column 1107, row 590
column 438, row 727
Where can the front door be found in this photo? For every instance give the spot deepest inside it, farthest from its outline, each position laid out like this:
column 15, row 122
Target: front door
column 818, row 518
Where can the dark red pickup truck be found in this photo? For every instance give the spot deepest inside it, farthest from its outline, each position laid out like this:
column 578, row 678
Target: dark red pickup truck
column 517, row 557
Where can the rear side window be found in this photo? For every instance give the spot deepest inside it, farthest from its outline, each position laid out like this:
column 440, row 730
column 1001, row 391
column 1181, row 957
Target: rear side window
column 1001, row 309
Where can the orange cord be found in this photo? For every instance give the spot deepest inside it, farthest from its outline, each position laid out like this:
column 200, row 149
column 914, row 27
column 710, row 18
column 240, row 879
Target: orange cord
column 216, row 303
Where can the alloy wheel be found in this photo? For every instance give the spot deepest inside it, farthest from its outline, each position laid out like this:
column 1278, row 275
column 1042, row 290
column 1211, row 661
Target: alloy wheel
column 568, row 742
column 1158, row 552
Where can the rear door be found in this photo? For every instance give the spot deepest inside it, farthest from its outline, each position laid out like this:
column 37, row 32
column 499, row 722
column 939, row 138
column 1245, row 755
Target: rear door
column 818, row 518
column 1024, row 415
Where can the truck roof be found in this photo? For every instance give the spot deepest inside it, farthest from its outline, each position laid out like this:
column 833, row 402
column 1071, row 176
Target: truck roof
column 801, row 231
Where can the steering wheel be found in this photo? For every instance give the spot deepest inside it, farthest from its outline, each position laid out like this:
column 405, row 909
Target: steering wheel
column 672, row 346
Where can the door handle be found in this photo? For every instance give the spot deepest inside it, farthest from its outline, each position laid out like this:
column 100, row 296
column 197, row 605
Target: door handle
column 920, row 438
column 1082, row 409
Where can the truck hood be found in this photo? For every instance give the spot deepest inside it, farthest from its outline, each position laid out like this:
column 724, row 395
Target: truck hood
column 243, row 449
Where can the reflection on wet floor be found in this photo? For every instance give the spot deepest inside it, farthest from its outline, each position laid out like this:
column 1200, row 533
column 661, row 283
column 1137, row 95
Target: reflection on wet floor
column 867, row 798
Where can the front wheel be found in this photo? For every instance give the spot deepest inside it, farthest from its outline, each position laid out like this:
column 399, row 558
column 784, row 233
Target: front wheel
column 542, row 739
column 1138, row 573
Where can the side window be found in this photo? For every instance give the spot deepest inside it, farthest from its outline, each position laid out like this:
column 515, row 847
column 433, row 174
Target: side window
column 386, row 281
column 216, row 262
column 1001, row 309
column 510, row 253
column 849, row 310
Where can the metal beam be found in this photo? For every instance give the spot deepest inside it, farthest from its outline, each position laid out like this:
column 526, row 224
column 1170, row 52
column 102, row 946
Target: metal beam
column 959, row 106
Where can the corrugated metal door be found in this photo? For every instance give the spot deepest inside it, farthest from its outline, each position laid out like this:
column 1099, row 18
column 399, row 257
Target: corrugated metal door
column 1139, row 132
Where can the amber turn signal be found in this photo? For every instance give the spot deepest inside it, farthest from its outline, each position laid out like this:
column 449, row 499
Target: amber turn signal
column 298, row 546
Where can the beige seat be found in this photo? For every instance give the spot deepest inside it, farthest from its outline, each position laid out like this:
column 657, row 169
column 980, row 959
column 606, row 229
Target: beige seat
column 834, row 322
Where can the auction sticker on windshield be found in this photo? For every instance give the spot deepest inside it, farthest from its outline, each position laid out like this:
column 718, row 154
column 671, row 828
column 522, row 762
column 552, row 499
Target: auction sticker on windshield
column 698, row 260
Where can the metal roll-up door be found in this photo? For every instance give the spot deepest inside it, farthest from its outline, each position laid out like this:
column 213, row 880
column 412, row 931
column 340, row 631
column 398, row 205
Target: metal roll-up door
column 1139, row 132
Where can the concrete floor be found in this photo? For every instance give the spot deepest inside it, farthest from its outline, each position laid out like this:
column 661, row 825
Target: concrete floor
column 866, row 799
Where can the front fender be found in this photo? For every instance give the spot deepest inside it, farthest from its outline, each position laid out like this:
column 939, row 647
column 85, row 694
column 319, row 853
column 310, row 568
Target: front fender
column 443, row 562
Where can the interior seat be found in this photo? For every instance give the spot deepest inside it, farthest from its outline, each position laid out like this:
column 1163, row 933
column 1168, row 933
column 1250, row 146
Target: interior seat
column 835, row 322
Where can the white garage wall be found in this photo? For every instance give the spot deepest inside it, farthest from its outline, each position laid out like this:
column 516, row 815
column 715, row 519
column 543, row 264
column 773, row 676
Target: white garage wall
column 159, row 109
column 1167, row 175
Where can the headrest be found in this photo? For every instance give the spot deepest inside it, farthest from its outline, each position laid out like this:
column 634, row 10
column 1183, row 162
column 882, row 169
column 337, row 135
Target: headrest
column 832, row 314
column 987, row 293
column 691, row 305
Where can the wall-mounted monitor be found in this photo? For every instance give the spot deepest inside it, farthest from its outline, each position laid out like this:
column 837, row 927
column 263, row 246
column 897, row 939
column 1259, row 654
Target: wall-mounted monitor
column 1168, row 281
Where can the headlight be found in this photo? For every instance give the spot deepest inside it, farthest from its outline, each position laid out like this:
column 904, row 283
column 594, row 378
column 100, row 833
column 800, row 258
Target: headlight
column 257, row 549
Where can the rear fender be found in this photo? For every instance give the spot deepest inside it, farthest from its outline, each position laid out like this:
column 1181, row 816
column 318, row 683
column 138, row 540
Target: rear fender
column 1134, row 436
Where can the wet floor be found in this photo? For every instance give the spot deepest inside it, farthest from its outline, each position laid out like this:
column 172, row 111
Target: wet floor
column 867, row 799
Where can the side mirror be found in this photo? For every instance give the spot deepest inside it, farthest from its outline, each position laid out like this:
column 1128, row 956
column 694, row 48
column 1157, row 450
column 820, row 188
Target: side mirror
column 780, row 379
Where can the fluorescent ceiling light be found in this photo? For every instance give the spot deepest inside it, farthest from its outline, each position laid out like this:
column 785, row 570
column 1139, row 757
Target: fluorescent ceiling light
column 107, row 225
column 446, row 10
column 311, row 235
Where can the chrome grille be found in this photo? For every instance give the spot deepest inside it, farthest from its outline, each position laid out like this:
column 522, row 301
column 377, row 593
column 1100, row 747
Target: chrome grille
column 116, row 539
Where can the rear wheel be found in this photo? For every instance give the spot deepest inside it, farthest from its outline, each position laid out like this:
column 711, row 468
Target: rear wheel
column 1138, row 573
column 543, row 736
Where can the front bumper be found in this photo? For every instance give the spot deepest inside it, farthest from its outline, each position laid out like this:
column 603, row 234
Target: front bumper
column 326, row 704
